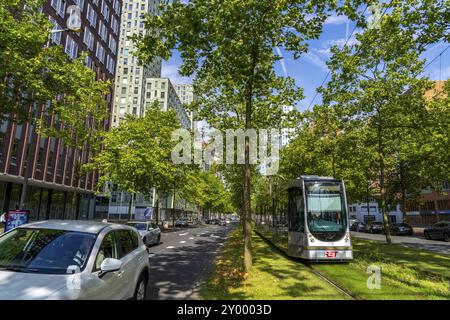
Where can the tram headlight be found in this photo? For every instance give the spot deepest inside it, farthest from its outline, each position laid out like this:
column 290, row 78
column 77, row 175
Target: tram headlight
column 347, row 237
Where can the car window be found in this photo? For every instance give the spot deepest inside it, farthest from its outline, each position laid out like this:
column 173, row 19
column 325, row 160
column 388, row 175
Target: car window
column 134, row 239
column 125, row 243
column 108, row 249
column 45, row 250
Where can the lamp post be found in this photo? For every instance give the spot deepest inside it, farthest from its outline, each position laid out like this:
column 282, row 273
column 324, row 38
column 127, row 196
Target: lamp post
column 73, row 24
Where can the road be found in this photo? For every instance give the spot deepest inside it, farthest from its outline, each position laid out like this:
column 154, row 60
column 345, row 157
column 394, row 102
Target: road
column 414, row 242
column 183, row 260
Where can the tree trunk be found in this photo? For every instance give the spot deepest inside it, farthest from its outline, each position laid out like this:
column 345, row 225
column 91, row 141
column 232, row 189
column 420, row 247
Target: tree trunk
column 130, row 202
column 156, row 206
column 382, row 187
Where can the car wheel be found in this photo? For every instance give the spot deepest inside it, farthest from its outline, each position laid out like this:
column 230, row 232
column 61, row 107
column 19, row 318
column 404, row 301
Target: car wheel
column 141, row 289
column 427, row 235
column 159, row 239
column 446, row 237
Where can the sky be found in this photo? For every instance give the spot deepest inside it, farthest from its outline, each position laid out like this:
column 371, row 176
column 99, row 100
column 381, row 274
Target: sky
column 310, row 70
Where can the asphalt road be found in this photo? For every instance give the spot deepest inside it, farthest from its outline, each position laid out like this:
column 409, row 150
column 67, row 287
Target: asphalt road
column 414, row 242
column 183, row 260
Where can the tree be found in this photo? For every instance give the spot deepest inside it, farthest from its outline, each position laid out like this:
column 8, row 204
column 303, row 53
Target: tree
column 378, row 94
column 229, row 45
column 137, row 153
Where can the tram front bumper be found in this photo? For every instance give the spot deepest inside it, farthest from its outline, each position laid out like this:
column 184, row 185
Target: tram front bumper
column 327, row 255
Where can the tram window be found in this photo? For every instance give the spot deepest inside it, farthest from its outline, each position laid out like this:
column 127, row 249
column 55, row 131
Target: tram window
column 296, row 211
column 326, row 212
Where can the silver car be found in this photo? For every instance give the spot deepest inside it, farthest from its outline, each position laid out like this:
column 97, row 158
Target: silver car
column 62, row 259
column 149, row 232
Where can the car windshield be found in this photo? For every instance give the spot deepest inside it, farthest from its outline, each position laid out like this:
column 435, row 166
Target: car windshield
column 45, row 250
column 325, row 205
column 139, row 226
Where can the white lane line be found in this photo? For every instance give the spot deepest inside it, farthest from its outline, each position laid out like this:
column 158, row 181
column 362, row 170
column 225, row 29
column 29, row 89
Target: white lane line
column 182, row 241
column 183, row 234
column 191, row 238
column 170, row 247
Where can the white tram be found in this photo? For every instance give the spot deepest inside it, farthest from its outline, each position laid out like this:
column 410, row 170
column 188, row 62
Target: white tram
column 308, row 219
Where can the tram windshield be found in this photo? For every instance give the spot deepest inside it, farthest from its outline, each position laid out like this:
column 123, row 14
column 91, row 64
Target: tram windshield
column 327, row 219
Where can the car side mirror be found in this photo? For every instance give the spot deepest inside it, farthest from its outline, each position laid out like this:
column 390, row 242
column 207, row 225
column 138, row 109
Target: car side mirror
column 109, row 265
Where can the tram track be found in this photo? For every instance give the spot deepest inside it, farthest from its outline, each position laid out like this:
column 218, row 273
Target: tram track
column 309, row 267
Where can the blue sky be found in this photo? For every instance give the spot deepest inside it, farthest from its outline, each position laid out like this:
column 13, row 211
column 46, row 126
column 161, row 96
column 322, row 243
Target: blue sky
column 310, row 70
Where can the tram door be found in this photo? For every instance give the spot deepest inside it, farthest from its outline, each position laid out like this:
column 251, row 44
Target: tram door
column 296, row 213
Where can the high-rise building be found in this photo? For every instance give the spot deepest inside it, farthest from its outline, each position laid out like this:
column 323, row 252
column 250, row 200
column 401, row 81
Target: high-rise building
column 286, row 133
column 186, row 94
column 130, row 77
column 162, row 90
column 52, row 184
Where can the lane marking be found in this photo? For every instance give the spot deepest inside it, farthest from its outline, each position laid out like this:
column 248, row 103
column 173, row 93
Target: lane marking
column 170, row 247
column 191, row 238
column 182, row 241
column 183, row 234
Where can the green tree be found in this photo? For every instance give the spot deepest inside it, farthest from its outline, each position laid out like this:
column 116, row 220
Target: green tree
column 137, row 154
column 229, row 45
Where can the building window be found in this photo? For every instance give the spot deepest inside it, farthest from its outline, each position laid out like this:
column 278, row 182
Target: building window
column 56, row 37
column 80, row 3
column 100, row 53
column 102, row 31
column 112, row 44
column 91, row 16
column 88, row 39
column 163, row 94
column 71, row 47
column 59, row 6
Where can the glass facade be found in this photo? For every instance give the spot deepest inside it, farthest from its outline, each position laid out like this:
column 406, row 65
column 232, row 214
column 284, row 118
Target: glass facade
column 45, row 203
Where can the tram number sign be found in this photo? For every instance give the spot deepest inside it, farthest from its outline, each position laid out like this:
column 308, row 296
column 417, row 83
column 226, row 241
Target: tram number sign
column 331, row 254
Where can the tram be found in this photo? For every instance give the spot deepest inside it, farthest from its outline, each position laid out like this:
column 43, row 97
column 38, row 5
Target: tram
column 308, row 218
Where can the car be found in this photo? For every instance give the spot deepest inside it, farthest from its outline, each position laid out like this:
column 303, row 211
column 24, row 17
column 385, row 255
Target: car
column 182, row 222
column 357, row 226
column 228, row 221
column 67, row 260
column 374, row 227
column 149, row 231
column 440, row 230
column 222, row 222
column 401, row 229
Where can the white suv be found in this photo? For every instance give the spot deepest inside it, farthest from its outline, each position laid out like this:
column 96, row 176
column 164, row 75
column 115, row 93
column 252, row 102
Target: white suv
column 62, row 259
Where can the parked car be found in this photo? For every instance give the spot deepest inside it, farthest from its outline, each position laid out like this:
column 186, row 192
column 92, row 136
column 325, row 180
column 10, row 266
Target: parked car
column 401, row 229
column 228, row 221
column 63, row 259
column 374, row 227
column 222, row 222
column 357, row 226
column 182, row 222
column 440, row 230
column 149, row 231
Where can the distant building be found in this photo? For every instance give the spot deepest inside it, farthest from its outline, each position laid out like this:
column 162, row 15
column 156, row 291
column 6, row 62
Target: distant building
column 129, row 96
column 162, row 90
column 286, row 133
column 361, row 213
column 186, row 94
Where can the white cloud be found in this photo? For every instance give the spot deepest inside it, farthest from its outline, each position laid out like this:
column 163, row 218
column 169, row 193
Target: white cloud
column 316, row 60
column 283, row 65
column 336, row 20
column 171, row 72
